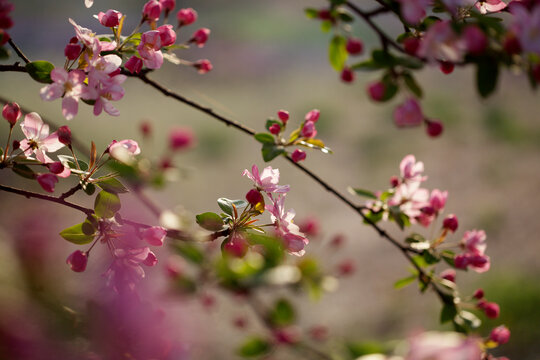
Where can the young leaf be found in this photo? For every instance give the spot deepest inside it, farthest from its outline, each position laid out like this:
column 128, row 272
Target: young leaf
column 265, row 138
column 362, row 192
column 210, row 221
column 107, row 204
column 69, row 161
column 24, row 171
column 412, row 84
column 254, row 347
column 226, row 205
column 40, row 71
column 401, row 283
column 112, row 185
column 337, row 53
column 448, row 312
column 283, row 313
column 487, row 73
column 76, row 235
column 270, row 152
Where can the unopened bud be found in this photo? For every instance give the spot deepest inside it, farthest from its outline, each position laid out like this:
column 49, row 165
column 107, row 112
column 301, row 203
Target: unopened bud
column 64, row 135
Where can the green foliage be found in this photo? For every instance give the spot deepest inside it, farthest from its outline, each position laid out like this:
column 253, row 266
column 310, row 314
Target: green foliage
column 24, row 171
column 227, row 205
column 70, row 162
column 487, row 73
column 337, row 53
column 210, row 221
column 76, row 235
column 270, row 151
column 106, row 204
column 362, row 192
column 283, row 313
column 254, row 347
column 111, row 185
column 40, row 71
column 357, row 349
column 401, row 283
column 265, row 138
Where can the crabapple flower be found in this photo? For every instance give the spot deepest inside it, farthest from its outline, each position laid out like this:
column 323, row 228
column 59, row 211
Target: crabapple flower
column 12, row 113
column 354, row 46
column 413, row 11
column 376, row 91
column 411, row 171
column 89, row 39
column 125, row 270
column 167, row 5
column 38, row 140
column 298, row 155
column 72, row 51
column 181, row 138
column 283, row 115
column 203, row 66
column 47, row 182
column 491, row 309
column 186, row 16
column 448, row 274
column 500, row 335
column 111, row 18
column 450, row 222
column 526, row 26
column 443, row 346
column 200, row 37
column 410, row 199
column 474, row 241
column 77, row 261
column 154, row 235
column 58, row 169
column 408, row 114
column 308, row 130
column 70, row 86
column 411, row 45
column 313, row 116
column 149, row 49
column 486, row 6
column 293, row 239
column 441, row 43
column 475, row 40
column 254, row 197
column 134, row 64
column 167, row 35
column 64, row 135
column 152, row 10
column 266, row 181
column 124, row 150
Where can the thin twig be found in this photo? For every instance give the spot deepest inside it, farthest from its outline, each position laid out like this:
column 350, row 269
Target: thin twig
column 18, row 51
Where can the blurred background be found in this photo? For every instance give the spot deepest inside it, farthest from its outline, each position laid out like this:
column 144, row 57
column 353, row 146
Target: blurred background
column 268, row 56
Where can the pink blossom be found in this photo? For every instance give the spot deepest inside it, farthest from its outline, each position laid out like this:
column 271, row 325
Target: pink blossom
column 410, row 170
column 110, row 19
column 346, row 267
column 124, row 150
column 310, row 226
column 500, row 335
column 134, row 64
column 104, row 88
column 413, row 11
column 492, row 310
column 167, row 35
column 151, row 259
column 479, row 262
column 77, row 261
column 186, row 16
column 526, row 26
column 38, row 140
column 154, row 235
column 149, row 49
column 152, row 10
column 72, row 51
column 486, row 6
column 443, row 346
column 409, row 113
column 181, row 138
column 64, row 135
column 168, row 5
column 450, row 222
column 12, row 113
column 125, row 270
column 376, row 91
column 437, row 199
column 274, row 129
column 294, row 240
column 57, row 168
column 283, row 115
column 313, row 116
column 47, row 182
column 354, row 46
column 88, row 38
column 298, row 155
column 267, row 181
column 441, row 43
column 203, row 66
column 101, row 69
column 448, row 274
column 475, row 39
column 411, row 200
column 308, row 130
column 200, row 37
column 478, row 294
column 474, row 241
column 347, row 75
column 70, row 86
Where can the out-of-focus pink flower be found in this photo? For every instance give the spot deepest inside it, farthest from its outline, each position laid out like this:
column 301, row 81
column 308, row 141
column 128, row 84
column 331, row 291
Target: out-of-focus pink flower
column 409, row 113
column 111, row 18
column 526, row 26
column 152, row 10
column 310, row 226
column 318, row 332
column 411, row 45
column 478, row 294
column 181, row 138
column 200, row 37
column 437, row 200
column 149, row 49
column 475, row 40
column 313, row 115
column 354, row 46
column 376, row 91
column 237, row 245
column 474, row 241
column 449, row 274
column 441, row 43
column 12, row 113
column 77, row 261
column 294, row 240
column 47, row 182
column 186, row 16
column 411, row 200
column 266, row 181
column 450, row 222
column 347, row 75
column 500, row 335
column 308, row 130
column 70, row 86
column 283, row 115
column 434, row 128
column 492, row 310
column 125, row 270
column 298, row 155
column 154, row 235
column 134, row 64
column 124, row 150
column 443, row 346
column 346, row 267
column 287, row 335
column 486, row 6
column 203, row 66
column 167, row 35
column 413, row 11
column 38, row 140
column 167, row 5
column 410, row 170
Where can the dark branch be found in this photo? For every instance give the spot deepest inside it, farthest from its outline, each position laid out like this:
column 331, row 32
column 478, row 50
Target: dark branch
column 18, row 51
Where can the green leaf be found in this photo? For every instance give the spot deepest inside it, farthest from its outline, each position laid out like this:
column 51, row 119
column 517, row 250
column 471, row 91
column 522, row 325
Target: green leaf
column 487, row 73
column 210, row 221
column 419, row 261
column 448, row 312
column 76, row 235
column 254, row 347
column 40, row 71
column 412, row 84
column 311, row 13
column 367, row 65
column 189, row 252
column 107, row 204
column 111, row 185
column 408, row 62
column 265, row 138
column 226, row 205
column 69, row 161
column 401, row 283
column 24, row 171
column 358, row 349
column 88, row 228
column 270, row 151
column 326, row 26
column 430, row 258
column 362, row 192
column 448, row 257
column 283, row 313
column 89, row 189
column 345, row 16
column 337, row 52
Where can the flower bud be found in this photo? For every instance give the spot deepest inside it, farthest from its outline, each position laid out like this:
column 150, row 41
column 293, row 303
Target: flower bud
column 180, row 138
column 240, row 322
column 254, row 197
column 511, row 44
column 236, row 246
column 354, row 46
column 152, row 10
column 461, row 261
column 55, row 167
column 47, row 182
column 283, row 115
column 200, row 37
column 203, row 66
column 134, row 64
column 167, row 35
column 77, row 261
column 308, row 130
column 64, row 135
column 449, row 274
column 409, row 113
column 288, row 335
column 146, row 128
column 492, row 310
column 475, row 40
column 500, row 335
column 324, row 14
column 111, row 18
column 434, row 128
column 154, row 235
column 274, row 129
column 478, row 294
column 4, row 37
column 72, row 51
column 298, row 155
column 536, row 73
column 168, row 5
column 347, row 75
column 11, row 112
column 16, row 144
column 337, row 241
column 411, row 45
column 346, row 268
column 313, row 116
column 394, row 181
column 450, row 222
column 5, row 22
column 151, row 259
column 186, row 16
column 376, row 91
column 446, row 67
